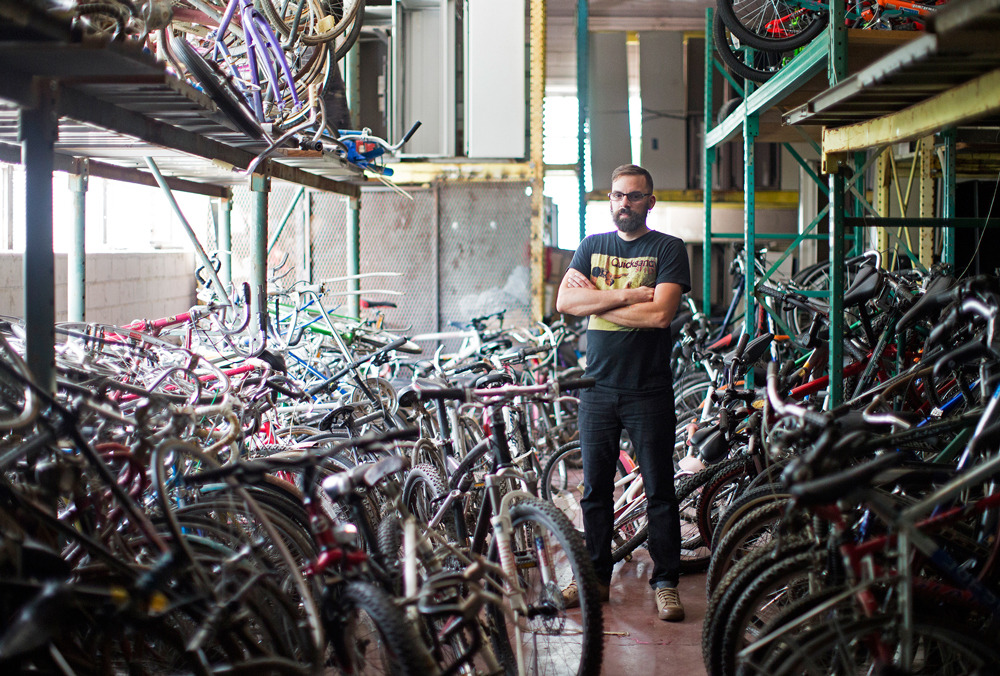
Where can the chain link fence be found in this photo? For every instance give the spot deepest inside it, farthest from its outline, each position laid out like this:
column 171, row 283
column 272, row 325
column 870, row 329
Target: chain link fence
column 457, row 250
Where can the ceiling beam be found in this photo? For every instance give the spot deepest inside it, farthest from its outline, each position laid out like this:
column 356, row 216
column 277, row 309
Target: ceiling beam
column 961, row 104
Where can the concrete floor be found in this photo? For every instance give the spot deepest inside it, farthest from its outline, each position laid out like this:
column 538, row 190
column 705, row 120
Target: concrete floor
column 636, row 642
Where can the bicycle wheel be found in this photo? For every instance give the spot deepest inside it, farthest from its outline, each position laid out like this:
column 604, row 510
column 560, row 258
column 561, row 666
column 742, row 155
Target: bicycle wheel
column 745, row 503
column 561, row 482
column 215, row 84
column 313, row 22
column 548, row 554
column 938, row 647
column 772, row 24
column 422, row 494
column 758, row 66
column 720, row 492
column 371, row 635
column 750, row 532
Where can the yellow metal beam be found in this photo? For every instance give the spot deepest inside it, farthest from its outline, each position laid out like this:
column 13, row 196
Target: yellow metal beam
column 428, row 172
column 958, row 105
column 536, row 98
column 765, row 198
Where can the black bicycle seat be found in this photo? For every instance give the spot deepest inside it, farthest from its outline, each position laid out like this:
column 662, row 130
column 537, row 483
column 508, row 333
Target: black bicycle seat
column 866, row 286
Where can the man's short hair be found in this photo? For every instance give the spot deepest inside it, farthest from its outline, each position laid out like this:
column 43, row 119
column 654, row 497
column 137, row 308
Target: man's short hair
column 632, row 170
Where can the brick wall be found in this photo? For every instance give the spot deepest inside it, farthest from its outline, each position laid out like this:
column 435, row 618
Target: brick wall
column 120, row 286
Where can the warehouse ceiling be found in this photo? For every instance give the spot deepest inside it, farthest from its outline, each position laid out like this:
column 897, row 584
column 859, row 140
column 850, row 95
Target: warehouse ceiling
column 611, row 15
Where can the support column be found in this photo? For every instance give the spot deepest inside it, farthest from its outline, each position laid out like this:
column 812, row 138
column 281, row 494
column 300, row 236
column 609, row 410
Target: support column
column 883, row 177
column 37, row 132
column 225, row 242
column 836, row 366
column 948, row 178
column 708, row 159
column 76, row 258
column 536, row 100
column 353, row 240
column 583, row 114
column 352, row 83
column 260, row 187
column 751, row 128
column 926, row 245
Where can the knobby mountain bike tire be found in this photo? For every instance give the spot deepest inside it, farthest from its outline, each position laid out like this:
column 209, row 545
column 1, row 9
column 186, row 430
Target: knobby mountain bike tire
column 228, row 100
column 372, row 635
column 771, row 24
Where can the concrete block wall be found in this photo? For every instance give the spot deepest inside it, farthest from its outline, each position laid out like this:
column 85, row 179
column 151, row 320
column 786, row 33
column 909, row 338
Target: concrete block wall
column 121, row 287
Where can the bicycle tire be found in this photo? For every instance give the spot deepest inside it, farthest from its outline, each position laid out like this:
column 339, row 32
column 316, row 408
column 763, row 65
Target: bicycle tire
column 759, row 67
column 735, row 581
column 227, row 99
column 720, row 492
column 348, row 39
column 387, row 632
column 745, row 503
column 423, row 491
column 937, row 639
column 547, row 617
column 749, row 22
column 775, row 588
column 752, row 530
column 562, row 479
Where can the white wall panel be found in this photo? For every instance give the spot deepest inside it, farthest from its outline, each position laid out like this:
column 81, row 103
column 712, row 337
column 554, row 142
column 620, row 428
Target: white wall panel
column 664, row 130
column 495, row 79
column 609, row 130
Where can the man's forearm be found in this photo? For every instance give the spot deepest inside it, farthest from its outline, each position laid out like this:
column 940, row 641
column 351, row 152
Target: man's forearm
column 639, row 316
column 582, row 302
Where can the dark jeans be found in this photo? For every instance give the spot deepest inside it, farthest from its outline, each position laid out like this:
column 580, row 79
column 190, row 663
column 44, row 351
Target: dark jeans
column 649, row 421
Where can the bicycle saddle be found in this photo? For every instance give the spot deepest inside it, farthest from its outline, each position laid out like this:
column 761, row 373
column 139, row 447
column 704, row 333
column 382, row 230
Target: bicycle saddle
column 935, row 297
column 866, row 286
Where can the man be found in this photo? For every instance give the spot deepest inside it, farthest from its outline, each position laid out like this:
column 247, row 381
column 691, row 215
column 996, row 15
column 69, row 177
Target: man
column 630, row 283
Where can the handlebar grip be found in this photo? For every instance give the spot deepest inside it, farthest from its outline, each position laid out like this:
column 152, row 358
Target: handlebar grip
column 413, row 129
column 576, row 384
column 815, row 418
column 741, row 345
column 528, row 351
column 442, row 394
column 399, row 342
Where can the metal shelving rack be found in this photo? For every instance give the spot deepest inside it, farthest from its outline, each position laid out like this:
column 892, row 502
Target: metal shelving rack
column 937, row 81
column 101, row 109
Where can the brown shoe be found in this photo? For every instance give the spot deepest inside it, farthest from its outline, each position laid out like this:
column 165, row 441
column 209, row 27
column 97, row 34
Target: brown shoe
column 668, row 604
column 571, row 594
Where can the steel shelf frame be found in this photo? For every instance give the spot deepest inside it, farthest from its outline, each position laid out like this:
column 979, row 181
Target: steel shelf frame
column 939, row 81
column 101, row 109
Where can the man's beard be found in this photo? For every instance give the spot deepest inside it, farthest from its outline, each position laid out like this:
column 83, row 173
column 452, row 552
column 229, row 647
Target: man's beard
column 628, row 221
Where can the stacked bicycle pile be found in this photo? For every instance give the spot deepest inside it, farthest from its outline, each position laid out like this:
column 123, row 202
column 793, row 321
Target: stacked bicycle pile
column 269, row 67
column 203, row 493
column 862, row 537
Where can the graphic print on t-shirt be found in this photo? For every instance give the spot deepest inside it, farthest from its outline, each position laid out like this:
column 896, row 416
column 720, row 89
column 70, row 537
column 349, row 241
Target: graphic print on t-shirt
column 616, row 272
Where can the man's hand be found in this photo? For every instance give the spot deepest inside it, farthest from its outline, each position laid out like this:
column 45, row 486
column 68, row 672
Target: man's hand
column 577, row 280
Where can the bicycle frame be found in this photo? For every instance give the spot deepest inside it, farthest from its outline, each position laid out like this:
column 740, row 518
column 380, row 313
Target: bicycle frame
column 261, row 44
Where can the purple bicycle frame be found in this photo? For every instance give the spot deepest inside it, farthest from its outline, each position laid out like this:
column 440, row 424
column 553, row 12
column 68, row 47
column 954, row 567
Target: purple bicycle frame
column 262, row 43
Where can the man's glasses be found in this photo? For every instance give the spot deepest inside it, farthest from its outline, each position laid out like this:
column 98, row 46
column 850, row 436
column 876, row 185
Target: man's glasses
column 632, row 196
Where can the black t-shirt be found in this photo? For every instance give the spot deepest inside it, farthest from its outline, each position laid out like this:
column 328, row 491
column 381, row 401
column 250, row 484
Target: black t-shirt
column 619, row 357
